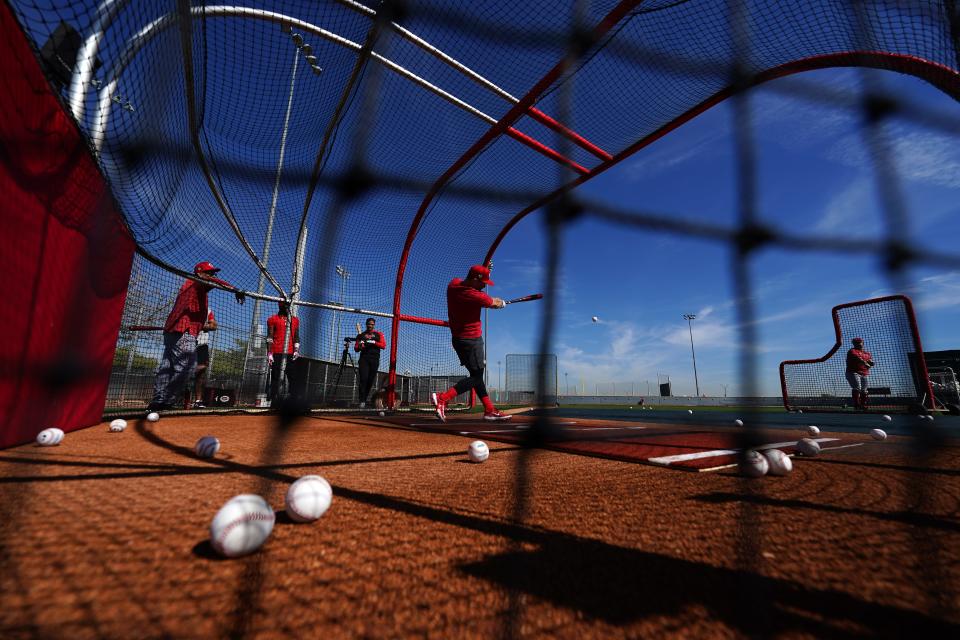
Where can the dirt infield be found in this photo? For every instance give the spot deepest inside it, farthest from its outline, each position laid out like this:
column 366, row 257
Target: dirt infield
column 105, row 536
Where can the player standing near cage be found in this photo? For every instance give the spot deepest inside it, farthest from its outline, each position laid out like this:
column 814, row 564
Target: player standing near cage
column 859, row 363
column 283, row 346
column 369, row 343
column 203, row 360
column 465, row 299
column 183, row 325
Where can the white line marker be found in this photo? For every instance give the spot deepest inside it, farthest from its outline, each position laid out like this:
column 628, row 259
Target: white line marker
column 667, row 460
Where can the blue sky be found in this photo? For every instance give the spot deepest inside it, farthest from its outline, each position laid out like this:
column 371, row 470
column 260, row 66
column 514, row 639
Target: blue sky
column 815, row 176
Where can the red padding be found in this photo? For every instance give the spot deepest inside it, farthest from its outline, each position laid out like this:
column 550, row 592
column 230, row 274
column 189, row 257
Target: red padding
column 64, row 254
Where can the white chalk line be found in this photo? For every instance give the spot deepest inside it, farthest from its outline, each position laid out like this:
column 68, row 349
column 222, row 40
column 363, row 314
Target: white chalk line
column 715, row 453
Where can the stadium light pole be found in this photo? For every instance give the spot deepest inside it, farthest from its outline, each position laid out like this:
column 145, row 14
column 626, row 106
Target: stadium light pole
column 690, row 318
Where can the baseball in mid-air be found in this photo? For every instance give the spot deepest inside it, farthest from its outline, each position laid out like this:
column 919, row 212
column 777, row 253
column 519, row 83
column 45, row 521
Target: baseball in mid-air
column 878, row 434
column 779, row 462
column 813, row 430
column 153, row 416
column 478, row 451
column 50, row 437
column 754, row 464
column 118, row 425
column 595, row 319
column 738, row 422
column 887, row 418
column 207, row 447
column 809, row 448
column 241, row 526
column 308, row 498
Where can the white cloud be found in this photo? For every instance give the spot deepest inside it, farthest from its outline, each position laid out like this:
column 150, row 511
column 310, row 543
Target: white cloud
column 847, row 212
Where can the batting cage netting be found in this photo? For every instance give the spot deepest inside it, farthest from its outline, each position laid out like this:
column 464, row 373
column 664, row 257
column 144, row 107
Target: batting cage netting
column 348, row 159
column 897, row 378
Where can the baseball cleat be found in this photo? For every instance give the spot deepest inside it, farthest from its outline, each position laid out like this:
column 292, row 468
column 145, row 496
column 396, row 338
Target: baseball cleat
column 496, row 416
column 441, row 406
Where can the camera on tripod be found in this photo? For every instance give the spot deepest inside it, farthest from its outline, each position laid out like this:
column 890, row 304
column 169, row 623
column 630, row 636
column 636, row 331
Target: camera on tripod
column 349, row 339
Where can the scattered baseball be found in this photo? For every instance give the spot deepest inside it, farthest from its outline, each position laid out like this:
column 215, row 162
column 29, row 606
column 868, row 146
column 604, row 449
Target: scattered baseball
column 929, row 417
column 738, row 422
column 887, row 418
column 50, row 437
column 595, row 319
column 690, row 411
column 382, row 414
column 878, row 434
column 308, row 498
column 207, row 447
column 809, row 448
column 241, row 526
column 799, row 410
column 754, row 465
column 813, row 431
column 478, row 451
column 780, row 463
column 153, row 416
column 118, row 425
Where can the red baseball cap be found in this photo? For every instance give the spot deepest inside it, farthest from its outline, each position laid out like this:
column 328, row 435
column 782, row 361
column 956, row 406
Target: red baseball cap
column 482, row 271
column 205, row 266
column 860, row 340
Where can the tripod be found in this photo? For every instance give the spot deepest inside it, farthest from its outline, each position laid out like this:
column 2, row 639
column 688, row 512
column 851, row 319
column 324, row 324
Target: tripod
column 344, row 359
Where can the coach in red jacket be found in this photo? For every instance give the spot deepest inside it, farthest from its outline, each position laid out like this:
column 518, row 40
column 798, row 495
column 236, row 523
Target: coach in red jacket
column 465, row 299
column 369, row 343
column 180, row 331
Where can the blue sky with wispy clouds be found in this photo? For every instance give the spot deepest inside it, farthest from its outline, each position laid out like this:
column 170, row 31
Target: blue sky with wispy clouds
column 815, row 175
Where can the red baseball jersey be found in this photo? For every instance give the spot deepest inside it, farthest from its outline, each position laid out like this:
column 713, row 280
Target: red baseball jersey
column 463, row 309
column 279, row 325
column 854, row 361
column 189, row 312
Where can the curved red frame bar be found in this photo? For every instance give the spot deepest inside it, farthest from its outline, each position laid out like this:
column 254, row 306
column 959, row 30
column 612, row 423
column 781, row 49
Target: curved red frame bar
column 914, row 329
column 942, row 77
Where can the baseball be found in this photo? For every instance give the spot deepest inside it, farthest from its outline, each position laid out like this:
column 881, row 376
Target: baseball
column 382, row 414
column 929, row 417
column 799, row 410
column 754, row 465
column 153, row 416
column 478, row 451
column 308, row 498
column 878, row 434
column 50, row 437
column 809, row 448
column 207, row 447
column 690, row 411
column 118, row 425
column 814, row 431
column 241, row 526
column 738, row 422
column 595, row 319
column 887, row 418
column 780, row 463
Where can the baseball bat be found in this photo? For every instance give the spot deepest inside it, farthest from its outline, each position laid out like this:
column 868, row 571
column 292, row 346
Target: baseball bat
column 359, row 329
column 535, row 296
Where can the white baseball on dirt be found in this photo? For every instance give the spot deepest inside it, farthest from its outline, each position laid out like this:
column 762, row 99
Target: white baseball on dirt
column 241, row 526
column 799, row 410
column 207, row 447
column 878, row 434
column 780, row 463
column 153, row 416
column 887, row 418
column 690, row 411
column 754, row 465
column 308, row 498
column 813, row 430
column 50, row 437
column 478, row 451
column 382, row 414
column 809, row 448
column 118, row 425
column 738, row 422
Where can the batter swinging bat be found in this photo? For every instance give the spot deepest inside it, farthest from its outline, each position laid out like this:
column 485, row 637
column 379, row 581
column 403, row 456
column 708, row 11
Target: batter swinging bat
column 535, row 296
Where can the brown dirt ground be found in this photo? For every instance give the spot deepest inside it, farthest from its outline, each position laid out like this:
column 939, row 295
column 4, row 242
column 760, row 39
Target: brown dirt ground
column 105, row 536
